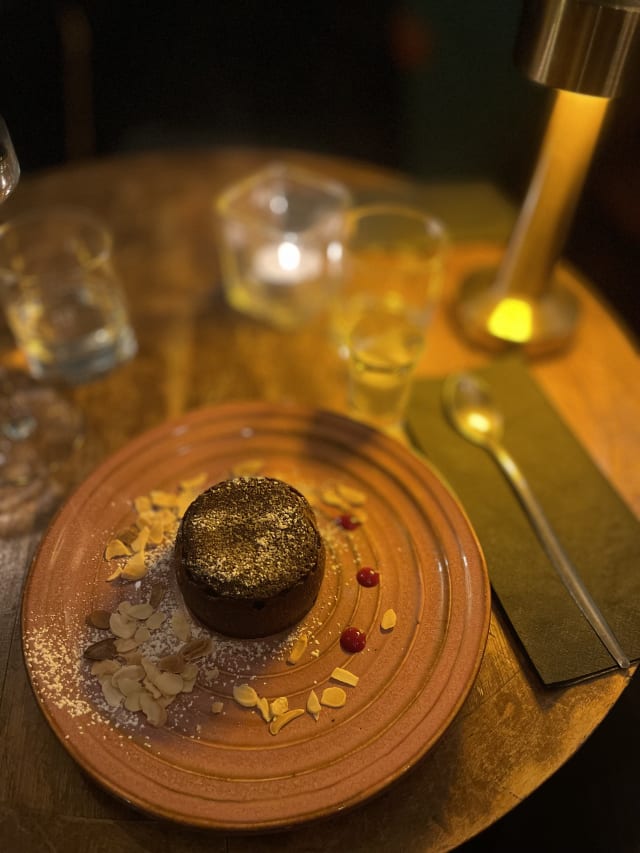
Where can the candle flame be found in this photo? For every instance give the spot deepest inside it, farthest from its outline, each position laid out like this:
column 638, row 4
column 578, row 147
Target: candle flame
column 288, row 256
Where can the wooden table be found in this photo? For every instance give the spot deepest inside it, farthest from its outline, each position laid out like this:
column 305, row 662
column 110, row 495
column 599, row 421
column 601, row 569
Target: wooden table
column 511, row 734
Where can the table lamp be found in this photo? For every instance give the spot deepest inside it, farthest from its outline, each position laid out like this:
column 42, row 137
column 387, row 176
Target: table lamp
column 582, row 50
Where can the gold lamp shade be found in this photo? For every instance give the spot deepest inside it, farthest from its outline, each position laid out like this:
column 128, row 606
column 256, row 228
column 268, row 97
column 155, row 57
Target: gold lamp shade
column 581, row 49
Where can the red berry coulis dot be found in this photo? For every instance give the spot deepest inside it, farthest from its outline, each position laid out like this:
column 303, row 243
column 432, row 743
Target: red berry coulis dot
column 367, row 576
column 353, row 640
column 347, row 522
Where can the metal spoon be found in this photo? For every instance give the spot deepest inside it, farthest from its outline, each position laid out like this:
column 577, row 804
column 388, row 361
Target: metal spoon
column 468, row 404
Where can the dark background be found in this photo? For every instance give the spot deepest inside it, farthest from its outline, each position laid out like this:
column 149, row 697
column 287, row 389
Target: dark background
column 426, row 86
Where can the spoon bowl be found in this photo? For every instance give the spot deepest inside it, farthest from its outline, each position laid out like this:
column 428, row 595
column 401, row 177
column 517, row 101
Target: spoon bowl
column 471, row 410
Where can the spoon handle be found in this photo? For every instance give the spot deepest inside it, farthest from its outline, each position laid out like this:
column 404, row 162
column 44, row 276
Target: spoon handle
column 563, row 566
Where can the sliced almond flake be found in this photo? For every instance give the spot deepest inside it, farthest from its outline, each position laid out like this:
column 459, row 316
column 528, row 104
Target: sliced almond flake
column 353, row 496
column 128, row 534
column 140, row 611
column 196, row 648
column 155, row 620
column 154, row 712
column 313, row 705
column 245, row 695
column 139, row 543
column 129, row 671
column 156, row 532
column 165, row 701
column 284, row 719
column 142, row 504
column 134, row 671
column 115, row 573
column 142, row 634
column 132, row 701
column 190, row 672
column 124, row 607
column 150, row 668
column 183, row 503
column 299, row 648
column 180, row 626
column 161, row 498
column 188, row 684
column 389, row 620
column 105, row 667
column 121, row 626
column 111, row 693
column 265, row 710
column 146, row 519
column 166, row 518
column 135, row 567
column 279, row 706
column 150, row 687
column 169, row 684
column 193, row 483
column 333, row 697
column 116, row 548
column 217, row 707
column 332, row 497
column 127, row 686
column 344, row 676
column 123, row 646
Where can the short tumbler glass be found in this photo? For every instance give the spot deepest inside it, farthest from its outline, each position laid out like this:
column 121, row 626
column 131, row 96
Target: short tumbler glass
column 280, row 247
column 63, row 300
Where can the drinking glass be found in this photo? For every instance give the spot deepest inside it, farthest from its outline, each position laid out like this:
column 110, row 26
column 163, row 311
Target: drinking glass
column 63, row 300
column 41, row 431
column 279, row 244
column 385, row 345
column 393, row 261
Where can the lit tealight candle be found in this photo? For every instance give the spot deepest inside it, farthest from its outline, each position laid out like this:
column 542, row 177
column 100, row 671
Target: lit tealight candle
column 286, row 264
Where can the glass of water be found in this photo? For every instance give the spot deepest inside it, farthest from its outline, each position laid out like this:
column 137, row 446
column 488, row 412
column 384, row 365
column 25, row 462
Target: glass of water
column 63, row 300
column 385, row 346
column 64, row 304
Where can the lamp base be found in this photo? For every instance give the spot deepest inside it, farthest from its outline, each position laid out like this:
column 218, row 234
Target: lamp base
column 496, row 319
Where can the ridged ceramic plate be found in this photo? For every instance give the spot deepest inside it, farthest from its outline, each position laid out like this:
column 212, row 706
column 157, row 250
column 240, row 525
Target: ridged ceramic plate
column 226, row 770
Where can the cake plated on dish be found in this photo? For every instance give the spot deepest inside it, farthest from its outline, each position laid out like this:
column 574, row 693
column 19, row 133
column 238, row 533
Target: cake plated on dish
column 249, row 557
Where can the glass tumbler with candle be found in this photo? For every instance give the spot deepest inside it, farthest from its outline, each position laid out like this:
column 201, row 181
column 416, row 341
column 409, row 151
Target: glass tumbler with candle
column 280, row 248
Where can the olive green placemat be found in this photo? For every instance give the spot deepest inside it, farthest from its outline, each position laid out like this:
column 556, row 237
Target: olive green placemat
column 597, row 529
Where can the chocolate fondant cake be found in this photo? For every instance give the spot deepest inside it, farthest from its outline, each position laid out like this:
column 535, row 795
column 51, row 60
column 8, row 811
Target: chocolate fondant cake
column 249, row 557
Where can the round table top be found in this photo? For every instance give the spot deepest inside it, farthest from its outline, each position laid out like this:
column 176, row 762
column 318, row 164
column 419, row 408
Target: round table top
column 511, row 733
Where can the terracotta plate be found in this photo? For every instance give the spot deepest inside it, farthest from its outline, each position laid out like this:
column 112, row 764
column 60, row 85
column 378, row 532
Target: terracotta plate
column 226, row 770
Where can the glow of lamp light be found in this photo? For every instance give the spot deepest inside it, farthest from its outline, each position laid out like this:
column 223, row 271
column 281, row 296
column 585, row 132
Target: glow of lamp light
column 512, row 320
column 479, row 422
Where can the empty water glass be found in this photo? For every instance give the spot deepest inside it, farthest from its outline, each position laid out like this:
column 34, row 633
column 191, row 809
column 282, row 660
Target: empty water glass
column 63, row 300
